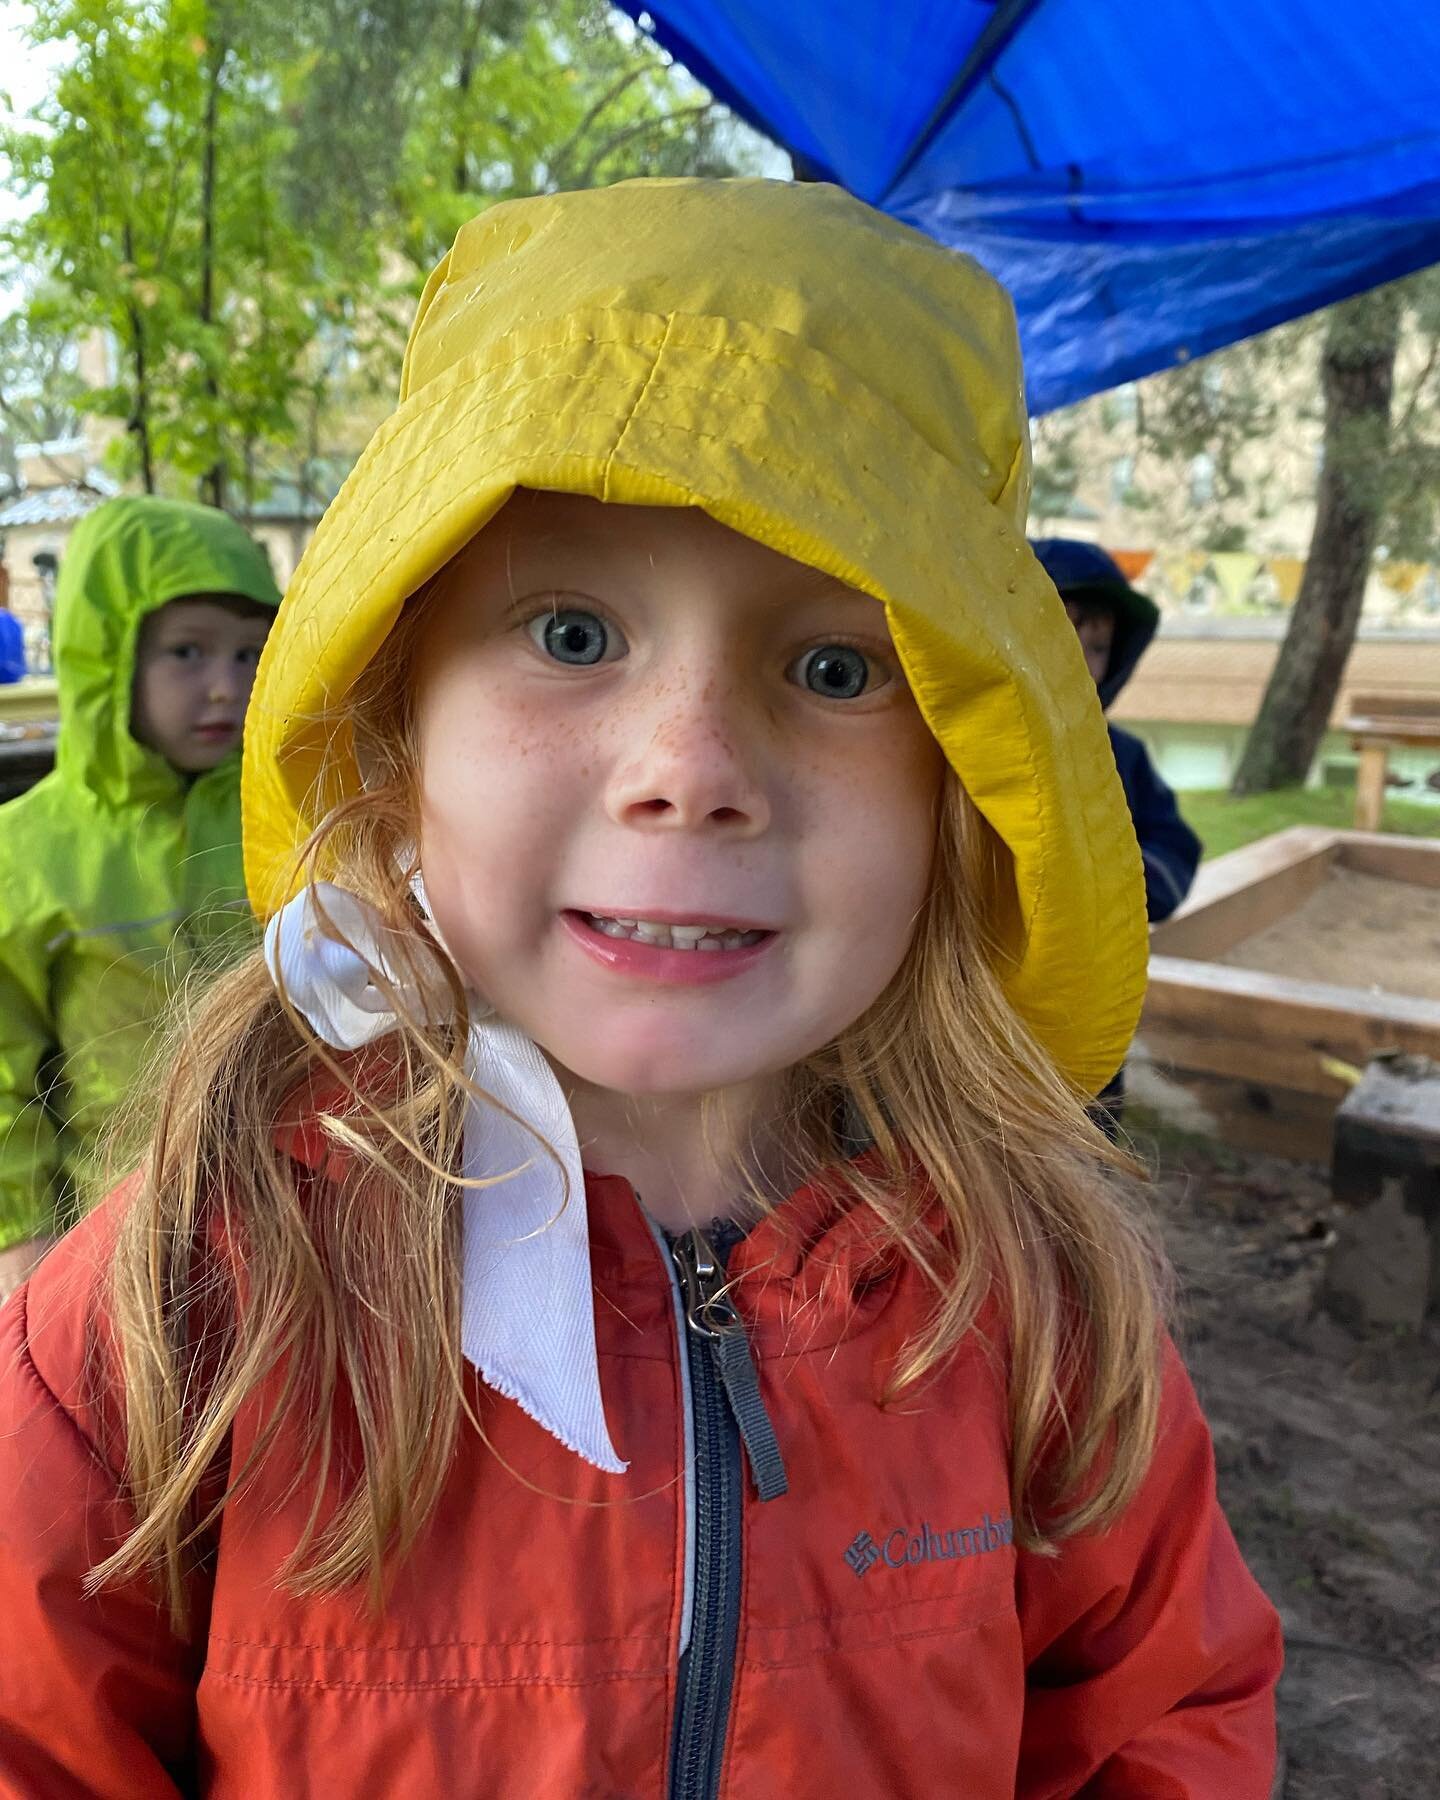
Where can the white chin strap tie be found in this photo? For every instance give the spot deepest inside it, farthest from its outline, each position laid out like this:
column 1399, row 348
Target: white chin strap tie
column 527, row 1309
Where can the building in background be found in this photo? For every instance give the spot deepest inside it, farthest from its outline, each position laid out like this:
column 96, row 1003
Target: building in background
column 1218, row 538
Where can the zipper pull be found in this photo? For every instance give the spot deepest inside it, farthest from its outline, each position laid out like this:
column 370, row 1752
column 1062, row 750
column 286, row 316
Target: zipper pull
column 710, row 1314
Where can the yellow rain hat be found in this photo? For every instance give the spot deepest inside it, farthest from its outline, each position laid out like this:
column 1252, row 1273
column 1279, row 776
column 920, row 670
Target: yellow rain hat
column 813, row 375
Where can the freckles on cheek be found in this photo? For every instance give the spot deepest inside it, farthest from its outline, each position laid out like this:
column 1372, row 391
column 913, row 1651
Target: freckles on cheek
column 498, row 774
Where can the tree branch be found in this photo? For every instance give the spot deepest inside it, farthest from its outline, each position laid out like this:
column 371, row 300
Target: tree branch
column 641, row 128
column 606, row 100
column 1418, row 389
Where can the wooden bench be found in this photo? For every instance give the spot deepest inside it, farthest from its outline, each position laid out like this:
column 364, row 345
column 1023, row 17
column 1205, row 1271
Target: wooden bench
column 1378, row 724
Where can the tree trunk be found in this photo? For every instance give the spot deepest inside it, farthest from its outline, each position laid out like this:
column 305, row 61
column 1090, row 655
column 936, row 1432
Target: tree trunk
column 1358, row 370
column 464, row 78
column 212, row 482
column 138, row 424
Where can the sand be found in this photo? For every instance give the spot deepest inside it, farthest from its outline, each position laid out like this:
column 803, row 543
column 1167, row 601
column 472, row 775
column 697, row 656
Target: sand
column 1355, row 930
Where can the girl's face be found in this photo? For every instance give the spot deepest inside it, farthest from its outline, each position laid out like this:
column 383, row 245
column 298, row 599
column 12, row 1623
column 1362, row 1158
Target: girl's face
column 677, row 803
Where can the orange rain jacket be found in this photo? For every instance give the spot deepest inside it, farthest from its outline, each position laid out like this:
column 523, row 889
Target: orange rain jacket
column 873, row 1633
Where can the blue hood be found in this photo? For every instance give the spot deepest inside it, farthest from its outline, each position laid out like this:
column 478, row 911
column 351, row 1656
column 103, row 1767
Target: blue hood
column 1084, row 572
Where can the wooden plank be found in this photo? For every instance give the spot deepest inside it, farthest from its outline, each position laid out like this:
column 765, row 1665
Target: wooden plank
column 1202, row 987
column 1370, row 784
column 1416, row 704
column 1227, row 874
column 1241, row 1114
column 1259, row 1027
column 1392, row 733
column 1238, row 1057
column 1416, row 860
column 1245, row 891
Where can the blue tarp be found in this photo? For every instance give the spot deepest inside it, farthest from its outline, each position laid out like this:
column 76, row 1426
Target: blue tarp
column 1151, row 179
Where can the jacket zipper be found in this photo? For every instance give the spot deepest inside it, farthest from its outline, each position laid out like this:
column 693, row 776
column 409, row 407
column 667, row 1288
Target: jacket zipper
column 729, row 1424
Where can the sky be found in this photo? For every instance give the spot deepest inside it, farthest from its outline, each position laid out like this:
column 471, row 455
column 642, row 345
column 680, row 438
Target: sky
column 24, row 72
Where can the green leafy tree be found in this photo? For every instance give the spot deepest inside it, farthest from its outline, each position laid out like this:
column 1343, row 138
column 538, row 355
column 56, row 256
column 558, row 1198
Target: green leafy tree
column 512, row 99
column 245, row 195
column 157, row 163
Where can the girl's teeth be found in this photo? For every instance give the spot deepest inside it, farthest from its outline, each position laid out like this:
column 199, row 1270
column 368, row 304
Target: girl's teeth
column 674, row 937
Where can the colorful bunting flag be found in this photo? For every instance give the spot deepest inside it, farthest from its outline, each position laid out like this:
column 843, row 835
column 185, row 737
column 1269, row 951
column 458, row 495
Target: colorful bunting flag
column 1287, row 572
column 1234, row 570
column 1133, row 563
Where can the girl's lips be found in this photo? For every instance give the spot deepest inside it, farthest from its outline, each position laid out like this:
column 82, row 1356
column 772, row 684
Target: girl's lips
column 216, row 731
column 649, row 962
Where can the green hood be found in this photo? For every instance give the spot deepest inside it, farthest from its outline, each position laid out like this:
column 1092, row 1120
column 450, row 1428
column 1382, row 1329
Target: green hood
column 120, row 875
column 125, row 560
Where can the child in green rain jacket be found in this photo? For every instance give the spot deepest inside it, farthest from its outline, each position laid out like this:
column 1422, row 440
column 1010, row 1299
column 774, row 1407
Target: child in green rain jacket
column 123, row 866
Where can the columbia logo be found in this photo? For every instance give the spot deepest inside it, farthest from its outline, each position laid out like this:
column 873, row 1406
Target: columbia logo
column 901, row 1546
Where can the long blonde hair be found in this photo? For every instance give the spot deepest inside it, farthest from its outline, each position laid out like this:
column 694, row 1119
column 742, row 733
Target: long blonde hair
column 232, row 1272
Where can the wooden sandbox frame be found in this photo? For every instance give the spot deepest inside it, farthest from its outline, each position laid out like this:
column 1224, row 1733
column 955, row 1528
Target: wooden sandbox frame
column 1259, row 1060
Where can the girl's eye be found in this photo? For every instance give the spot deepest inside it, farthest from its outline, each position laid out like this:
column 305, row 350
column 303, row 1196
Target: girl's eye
column 577, row 638
column 185, row 652
column 838, row 671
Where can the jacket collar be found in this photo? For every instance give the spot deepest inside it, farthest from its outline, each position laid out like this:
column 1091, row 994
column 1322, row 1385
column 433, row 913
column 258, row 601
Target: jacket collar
column 809, row 1273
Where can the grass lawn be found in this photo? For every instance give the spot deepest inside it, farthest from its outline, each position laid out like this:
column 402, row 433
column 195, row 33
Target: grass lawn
column 1224, row 823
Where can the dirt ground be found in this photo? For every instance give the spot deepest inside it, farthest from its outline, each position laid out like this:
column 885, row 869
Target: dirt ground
column 1329, row 1455
column 1356, row 930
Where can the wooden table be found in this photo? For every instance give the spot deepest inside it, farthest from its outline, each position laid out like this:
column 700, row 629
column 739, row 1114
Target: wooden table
column 1375, row 737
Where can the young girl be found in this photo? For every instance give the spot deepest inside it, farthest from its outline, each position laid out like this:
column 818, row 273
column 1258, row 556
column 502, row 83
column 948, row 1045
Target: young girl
column 624, row 1299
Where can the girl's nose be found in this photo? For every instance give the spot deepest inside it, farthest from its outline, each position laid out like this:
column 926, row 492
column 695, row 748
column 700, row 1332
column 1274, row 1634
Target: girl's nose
column 691, row 767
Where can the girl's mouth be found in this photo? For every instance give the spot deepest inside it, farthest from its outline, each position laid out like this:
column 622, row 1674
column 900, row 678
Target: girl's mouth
column 661, row 935
column 665, row 950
